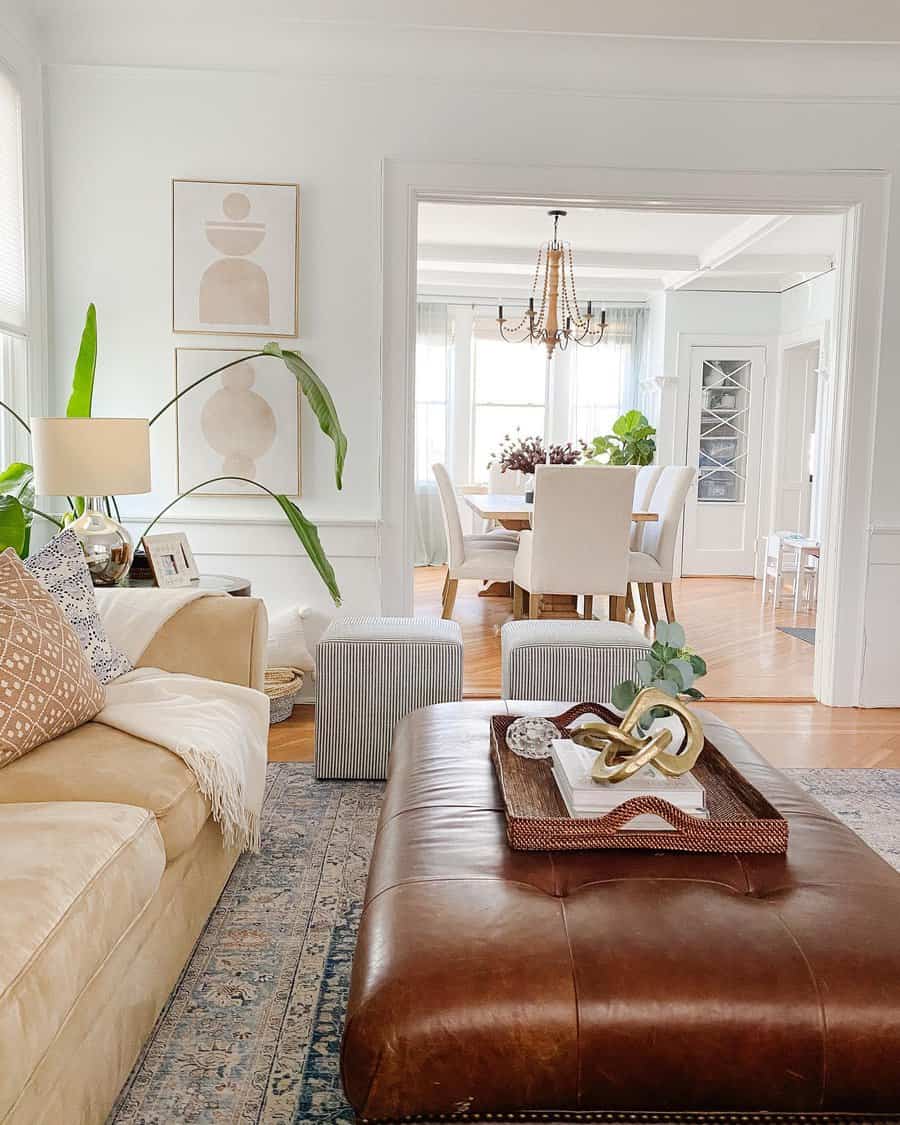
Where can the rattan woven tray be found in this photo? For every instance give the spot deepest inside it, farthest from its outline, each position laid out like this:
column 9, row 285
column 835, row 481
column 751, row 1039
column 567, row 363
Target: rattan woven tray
column 741, row 820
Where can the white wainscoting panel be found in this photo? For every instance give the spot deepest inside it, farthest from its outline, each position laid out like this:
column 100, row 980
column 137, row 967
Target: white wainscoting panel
column 265, row 550
column 881, row 685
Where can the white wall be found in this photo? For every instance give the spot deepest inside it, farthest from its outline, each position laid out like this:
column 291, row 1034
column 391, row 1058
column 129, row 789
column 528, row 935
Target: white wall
column 809, row 304
column 118, row 135
column 692, row 312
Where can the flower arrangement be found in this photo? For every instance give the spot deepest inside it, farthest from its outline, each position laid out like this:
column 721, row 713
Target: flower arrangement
column 524, row 454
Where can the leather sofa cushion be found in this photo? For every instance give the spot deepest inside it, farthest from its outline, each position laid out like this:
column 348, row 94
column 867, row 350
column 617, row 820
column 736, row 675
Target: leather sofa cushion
column 73, row 879
column 98, row 763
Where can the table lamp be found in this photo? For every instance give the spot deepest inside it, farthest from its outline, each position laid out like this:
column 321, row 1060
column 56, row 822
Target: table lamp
column 94, row 458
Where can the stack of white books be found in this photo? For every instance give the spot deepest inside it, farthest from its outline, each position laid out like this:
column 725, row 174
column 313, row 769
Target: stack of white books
column 584, row 797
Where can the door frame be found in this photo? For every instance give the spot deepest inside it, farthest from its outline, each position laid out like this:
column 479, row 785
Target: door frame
column 686, row 342
column 862, row 196
column 820, row 335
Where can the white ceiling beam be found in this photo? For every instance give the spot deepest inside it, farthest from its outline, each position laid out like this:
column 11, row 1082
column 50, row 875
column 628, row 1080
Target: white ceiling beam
column 524, row 257
column 778, row 263
column 502, row 288
column 740, row 238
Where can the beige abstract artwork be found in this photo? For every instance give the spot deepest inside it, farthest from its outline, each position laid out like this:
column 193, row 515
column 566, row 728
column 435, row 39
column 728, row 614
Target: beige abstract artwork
column 234, row 255
column 241, row 423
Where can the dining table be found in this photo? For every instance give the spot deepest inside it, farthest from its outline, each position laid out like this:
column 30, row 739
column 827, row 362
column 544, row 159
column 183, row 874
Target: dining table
column 512, row 511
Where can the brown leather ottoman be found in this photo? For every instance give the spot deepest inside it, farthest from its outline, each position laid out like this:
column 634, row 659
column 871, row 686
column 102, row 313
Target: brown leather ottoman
column 493, row 985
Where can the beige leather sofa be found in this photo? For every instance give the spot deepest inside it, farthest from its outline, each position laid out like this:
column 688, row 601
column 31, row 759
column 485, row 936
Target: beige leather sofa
column 109, row 867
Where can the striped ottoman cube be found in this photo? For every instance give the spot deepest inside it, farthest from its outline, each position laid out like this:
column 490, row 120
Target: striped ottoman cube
column 370, row 672
column 572, row 661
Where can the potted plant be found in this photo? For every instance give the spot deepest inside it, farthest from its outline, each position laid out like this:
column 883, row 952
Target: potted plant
column 524, row 454
column 631, row 442
column 17, row 508
column 670, row 666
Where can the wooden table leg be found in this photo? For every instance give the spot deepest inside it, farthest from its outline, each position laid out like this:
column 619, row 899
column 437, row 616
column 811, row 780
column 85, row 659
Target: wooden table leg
column 496, row 590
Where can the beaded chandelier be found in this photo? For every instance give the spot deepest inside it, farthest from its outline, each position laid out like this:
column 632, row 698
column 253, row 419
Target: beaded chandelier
column 557, row 302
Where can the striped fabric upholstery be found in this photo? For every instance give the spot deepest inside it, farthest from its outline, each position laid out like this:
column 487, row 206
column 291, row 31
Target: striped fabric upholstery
column 573, row 661
column 370, row 672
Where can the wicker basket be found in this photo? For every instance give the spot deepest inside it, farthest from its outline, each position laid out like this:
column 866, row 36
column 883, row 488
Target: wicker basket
column 282, row 685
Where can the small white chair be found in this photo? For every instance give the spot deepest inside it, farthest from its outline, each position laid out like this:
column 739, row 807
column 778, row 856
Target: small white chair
column 485, row 557
column 509, row 481
column 655, row 561
column 790, row 555
column 579, row 538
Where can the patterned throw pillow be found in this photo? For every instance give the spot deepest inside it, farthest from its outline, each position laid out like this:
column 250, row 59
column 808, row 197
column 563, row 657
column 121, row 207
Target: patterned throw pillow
column 61, row 568
column 46, row 684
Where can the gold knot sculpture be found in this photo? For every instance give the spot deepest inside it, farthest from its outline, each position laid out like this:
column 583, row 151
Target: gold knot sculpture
column 621, row 753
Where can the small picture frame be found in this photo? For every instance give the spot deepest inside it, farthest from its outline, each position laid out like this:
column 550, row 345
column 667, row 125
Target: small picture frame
column 171, row 559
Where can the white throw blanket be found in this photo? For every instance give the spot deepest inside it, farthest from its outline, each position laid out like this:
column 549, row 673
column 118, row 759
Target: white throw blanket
column 220, row 731
column 133, row 617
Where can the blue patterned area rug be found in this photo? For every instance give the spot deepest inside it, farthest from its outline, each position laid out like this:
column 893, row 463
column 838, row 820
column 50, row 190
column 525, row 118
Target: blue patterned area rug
column 251, row 1034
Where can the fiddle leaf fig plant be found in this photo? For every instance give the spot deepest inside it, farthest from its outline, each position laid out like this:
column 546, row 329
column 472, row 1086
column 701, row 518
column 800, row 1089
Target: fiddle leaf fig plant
column 631, row 442
column 670, row 666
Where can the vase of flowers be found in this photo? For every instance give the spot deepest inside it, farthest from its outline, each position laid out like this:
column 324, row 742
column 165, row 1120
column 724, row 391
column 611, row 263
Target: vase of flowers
column 524, row 454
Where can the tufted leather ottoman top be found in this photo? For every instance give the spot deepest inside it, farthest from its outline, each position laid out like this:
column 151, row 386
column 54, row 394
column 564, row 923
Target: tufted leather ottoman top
column 591, row 985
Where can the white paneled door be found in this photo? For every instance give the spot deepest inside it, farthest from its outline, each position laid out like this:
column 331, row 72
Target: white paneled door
column 724, row 443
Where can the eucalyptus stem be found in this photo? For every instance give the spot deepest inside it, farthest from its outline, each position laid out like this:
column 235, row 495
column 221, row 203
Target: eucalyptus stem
column 196, row 383
column 17, row 417
column 214, row 480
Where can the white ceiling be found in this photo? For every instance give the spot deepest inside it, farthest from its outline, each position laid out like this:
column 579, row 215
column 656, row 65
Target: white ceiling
column 804, row 21
column 489, row 250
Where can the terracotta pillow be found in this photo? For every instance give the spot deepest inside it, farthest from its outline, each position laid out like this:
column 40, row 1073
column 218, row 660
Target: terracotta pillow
column 46, row 684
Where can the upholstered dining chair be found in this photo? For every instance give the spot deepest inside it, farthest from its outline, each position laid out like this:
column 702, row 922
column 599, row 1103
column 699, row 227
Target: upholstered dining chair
column 655, row 561
column 486, row 557
column 644, row 484
column 578, row 543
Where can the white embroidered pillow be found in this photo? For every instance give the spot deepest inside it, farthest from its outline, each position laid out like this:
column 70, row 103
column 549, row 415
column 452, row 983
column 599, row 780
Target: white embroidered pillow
column 61, row 568
column 46, row 684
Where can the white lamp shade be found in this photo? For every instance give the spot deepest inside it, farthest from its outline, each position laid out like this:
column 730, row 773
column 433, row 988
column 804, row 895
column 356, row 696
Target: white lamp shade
column 90, row 456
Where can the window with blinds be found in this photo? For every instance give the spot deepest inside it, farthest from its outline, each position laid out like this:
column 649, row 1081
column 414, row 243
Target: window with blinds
column 13, row 303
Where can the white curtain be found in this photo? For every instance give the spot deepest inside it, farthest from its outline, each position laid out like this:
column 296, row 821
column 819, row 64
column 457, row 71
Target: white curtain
column 434, row 364
column 12, row 252
column 606, row 379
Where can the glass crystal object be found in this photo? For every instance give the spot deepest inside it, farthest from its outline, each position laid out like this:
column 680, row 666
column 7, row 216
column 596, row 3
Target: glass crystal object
column 530, row 736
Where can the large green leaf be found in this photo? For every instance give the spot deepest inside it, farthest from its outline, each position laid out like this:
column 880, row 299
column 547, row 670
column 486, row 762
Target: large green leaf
column 17, row 480
column 308, row 534
column 82, row 396
column 304, row 529
column 12, row 524
column 319, row 398
column 628, row 422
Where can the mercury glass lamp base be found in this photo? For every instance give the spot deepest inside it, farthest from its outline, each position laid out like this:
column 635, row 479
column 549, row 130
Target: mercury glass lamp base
column 107, row 545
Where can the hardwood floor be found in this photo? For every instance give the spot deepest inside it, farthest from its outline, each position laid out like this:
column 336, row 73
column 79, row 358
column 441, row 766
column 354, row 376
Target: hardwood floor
column 760, row 680
column 748, row 657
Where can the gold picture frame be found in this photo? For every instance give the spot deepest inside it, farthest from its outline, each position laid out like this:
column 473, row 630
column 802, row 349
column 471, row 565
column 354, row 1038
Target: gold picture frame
column 220, row 328
column 274, row 364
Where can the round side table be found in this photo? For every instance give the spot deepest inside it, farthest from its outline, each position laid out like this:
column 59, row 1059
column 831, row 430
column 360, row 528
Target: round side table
column 227, row 583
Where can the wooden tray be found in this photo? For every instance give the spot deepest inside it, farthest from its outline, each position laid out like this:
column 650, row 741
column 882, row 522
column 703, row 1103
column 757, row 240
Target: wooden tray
column 740, row 817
